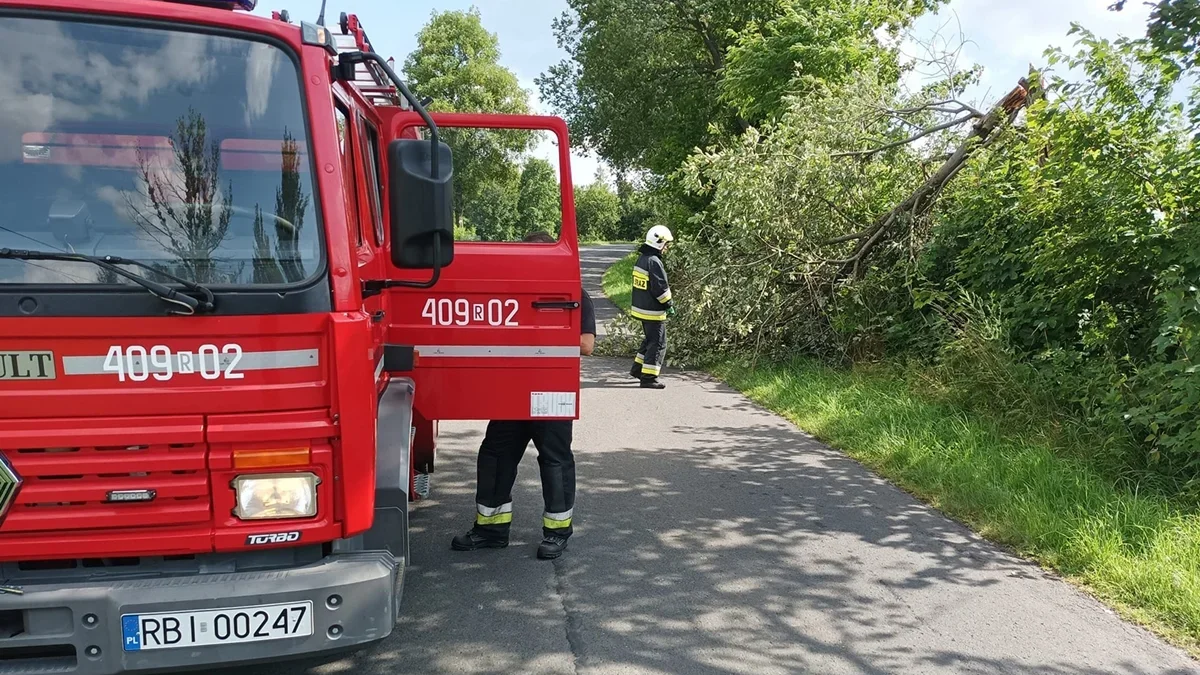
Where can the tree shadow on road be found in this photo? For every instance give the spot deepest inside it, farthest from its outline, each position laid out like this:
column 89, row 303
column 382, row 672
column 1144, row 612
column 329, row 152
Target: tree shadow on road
column 731, row 543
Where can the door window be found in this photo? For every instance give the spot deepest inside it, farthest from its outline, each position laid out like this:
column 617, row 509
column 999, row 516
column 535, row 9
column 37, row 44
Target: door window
column 349, row 191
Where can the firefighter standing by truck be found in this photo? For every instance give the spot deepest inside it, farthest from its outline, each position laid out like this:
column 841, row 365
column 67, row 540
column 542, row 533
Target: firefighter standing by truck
column 652, row 304
column 500, row 454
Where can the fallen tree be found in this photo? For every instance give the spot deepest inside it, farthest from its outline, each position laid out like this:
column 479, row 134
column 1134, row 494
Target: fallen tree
column 803, row 208
column 921, row 200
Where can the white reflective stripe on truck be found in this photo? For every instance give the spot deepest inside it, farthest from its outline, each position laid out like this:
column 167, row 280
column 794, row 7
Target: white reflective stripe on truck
column 183, row 362
column 477, row 351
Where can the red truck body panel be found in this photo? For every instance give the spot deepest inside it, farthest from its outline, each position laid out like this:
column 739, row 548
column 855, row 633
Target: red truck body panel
column 127, row 433
column 117, row 421
column 485, row 346
column 147, row 427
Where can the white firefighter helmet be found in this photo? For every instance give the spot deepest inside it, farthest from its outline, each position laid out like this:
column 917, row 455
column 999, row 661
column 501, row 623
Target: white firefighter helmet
column 659, row 236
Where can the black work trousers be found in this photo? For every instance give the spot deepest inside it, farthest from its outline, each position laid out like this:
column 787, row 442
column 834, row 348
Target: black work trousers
column 499, row 456
column 650, row 357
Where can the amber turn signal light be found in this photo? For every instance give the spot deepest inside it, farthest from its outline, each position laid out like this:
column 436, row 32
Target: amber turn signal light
column 271, row 458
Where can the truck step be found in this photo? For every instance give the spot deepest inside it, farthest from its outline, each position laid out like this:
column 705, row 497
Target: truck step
column 421, row 485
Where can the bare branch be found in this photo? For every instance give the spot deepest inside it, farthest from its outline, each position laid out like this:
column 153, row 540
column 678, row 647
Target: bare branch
column 915, row 137
column 931, row 105
column 848, row 237
column 923, row 197
column 974, row 111
column 899, row 118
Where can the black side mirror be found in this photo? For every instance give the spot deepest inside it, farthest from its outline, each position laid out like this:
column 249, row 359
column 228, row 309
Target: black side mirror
column 421, row 194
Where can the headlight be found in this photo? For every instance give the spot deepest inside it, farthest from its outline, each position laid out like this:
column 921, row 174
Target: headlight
column 280, row 495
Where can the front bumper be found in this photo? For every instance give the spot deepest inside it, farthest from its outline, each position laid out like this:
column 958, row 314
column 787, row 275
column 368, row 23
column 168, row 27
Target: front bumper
column 76, row 628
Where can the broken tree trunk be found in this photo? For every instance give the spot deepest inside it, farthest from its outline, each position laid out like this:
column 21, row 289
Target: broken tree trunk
column 920, row 201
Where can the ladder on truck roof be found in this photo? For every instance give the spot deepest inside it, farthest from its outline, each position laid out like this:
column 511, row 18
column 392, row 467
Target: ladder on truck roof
column 369, row 78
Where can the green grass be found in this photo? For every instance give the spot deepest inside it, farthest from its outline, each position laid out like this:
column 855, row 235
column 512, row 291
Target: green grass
column 1139, row 552
column 618, row 281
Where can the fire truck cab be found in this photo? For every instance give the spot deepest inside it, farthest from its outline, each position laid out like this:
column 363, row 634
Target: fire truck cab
column 232, row 314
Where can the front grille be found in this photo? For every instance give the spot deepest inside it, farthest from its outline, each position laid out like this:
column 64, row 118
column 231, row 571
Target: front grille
column 68, row 488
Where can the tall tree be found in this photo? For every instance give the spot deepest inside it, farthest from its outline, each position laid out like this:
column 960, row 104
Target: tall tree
column 494, row 215
column 640, row 87
column 457, row 63
column 538, row 200
column 810, row 43
column 188, row 213
column 634, row 209
column 597, row 211
column 650, row 81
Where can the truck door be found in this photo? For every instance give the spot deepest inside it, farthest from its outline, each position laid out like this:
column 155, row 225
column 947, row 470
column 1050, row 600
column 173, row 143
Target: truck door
column 361, row 191
column 373, row 234
column 497, row 337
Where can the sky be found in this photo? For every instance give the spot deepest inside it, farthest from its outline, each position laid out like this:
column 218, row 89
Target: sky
column 1004, row 36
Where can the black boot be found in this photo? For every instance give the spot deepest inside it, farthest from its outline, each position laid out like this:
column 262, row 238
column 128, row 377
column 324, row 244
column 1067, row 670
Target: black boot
column 652, row 383
column 552, row 546
column 636, row 371
column 474, row 539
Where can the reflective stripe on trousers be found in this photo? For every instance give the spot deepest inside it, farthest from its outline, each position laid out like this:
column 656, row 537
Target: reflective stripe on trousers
column 500, row 454
column 557, row 521
column 499, row 515
column 654, row 348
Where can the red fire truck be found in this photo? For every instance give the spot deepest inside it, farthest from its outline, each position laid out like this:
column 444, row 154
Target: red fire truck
column 232, row 313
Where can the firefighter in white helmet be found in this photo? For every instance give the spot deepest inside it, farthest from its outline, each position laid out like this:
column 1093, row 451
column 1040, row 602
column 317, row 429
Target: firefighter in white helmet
column 651, row 304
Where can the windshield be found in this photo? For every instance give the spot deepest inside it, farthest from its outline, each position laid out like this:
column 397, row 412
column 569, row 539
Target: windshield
column 182, row 150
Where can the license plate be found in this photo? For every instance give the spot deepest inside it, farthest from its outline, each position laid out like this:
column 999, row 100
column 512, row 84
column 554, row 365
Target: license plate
column 170, row 630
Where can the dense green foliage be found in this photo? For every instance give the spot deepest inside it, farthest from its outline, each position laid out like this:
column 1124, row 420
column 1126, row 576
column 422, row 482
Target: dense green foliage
column 456, row 63
column 501, row 194
column 1077, row 228
column 538, row 198
column 1174, row 28
column 649, row 81
column 817, row 42
column 492, row 213
column 639, row 84
column 597, row 212
column 1061, row 255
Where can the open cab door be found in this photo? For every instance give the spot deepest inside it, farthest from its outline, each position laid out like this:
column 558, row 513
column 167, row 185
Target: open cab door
column 496, row 335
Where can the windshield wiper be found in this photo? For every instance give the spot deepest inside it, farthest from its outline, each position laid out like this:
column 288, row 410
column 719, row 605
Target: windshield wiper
column 110, row 262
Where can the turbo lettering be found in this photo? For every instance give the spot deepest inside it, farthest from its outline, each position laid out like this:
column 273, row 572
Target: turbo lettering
column 273, row 538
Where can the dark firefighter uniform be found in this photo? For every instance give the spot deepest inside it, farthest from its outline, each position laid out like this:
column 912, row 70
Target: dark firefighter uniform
column 651, row 302
column 503, row 446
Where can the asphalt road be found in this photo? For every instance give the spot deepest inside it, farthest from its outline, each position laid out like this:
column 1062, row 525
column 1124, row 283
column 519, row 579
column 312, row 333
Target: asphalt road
column 715, row 538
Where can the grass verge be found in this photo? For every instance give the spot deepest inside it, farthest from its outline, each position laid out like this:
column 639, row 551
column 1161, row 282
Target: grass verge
column 1139, row 552
column 618, row 281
